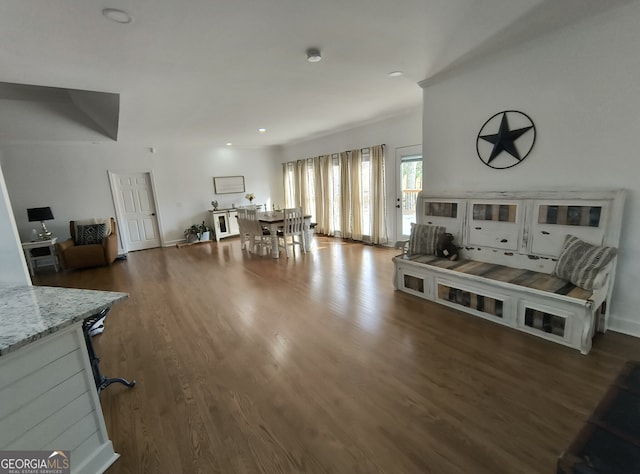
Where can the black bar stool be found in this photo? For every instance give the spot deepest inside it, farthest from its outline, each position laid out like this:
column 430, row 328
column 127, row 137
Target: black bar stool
column 101, row 381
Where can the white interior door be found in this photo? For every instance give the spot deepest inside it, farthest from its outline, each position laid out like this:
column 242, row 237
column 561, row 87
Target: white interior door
column 135, row 201
column 408, row 185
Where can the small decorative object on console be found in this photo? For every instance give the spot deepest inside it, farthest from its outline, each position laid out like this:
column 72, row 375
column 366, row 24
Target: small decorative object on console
column 250, row 197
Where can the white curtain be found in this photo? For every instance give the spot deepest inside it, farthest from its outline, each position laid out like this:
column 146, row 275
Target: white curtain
column 297, row 188
column 289, row 184
column 351, row 194
column 346, row 195
column 303, row 194
column 356, row 194
column 378, row 196
column 323, row 173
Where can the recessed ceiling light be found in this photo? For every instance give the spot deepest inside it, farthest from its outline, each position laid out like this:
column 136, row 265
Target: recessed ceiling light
column 119, row 16
column 395, row 73
column 313, row 55
column 229, row 143
column 262, row 130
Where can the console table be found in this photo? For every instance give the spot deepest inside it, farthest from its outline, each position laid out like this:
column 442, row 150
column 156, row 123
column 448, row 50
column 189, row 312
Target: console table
column 225, row 223
column 36, row 251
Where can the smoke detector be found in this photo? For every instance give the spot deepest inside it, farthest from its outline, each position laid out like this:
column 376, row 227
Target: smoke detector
column 313, row 55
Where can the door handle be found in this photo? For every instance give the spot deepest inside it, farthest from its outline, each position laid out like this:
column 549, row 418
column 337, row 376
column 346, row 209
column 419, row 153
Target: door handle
column 153, row 214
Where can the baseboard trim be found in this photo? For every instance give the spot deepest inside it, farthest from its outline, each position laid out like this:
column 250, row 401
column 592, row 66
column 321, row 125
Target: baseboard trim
column 173, row 243
column 625, row 326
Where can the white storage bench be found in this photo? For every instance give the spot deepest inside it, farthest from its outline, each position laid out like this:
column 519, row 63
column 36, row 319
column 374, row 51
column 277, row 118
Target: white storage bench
column 509, row 244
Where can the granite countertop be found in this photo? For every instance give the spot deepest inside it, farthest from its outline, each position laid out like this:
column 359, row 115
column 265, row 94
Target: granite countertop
column 28, row 313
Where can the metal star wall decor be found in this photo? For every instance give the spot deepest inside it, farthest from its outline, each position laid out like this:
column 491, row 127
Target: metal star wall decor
column 506, row 139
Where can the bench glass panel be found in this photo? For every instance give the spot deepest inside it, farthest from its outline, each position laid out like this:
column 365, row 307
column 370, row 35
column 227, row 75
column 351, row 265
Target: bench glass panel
column 495, row 212
column 469, row 299
column 448, row 213
column 570, row 215
column 414, row 283
column 545, row 322
column 441, row 209
column 553, row 220
column 496, row 224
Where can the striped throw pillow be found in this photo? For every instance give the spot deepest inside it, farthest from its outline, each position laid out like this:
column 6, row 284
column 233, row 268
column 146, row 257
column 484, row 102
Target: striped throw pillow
column 424, row 238
column 579, row 262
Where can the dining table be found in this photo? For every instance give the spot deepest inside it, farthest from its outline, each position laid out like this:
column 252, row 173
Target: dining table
column 272, row 220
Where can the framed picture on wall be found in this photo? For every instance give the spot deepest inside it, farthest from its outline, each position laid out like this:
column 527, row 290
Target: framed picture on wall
column 228, row 184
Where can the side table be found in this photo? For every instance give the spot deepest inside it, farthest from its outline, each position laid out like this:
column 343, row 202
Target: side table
column 34, row 257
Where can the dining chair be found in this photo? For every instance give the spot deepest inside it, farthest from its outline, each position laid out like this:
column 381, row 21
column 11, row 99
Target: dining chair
column 292, row 231
column 260, row 239
column 245, row 236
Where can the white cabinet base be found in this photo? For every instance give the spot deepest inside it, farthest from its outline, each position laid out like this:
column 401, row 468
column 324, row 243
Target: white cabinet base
column 49, row 401
column 225, row 223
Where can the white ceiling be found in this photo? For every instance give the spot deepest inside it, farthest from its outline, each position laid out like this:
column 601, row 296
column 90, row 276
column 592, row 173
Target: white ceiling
column 216, row 70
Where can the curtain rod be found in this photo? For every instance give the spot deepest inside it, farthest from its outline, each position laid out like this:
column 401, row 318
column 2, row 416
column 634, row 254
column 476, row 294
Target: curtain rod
column 335, row 155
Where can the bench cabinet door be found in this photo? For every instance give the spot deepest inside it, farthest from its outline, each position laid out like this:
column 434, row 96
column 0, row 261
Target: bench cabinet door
column 496, row 224
column 484, row 302
column 549, row 322
column 448, row 213
column 552, row 221
column 415, row 282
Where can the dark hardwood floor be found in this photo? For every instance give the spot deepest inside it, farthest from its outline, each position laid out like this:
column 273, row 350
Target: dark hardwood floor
column 315, row 364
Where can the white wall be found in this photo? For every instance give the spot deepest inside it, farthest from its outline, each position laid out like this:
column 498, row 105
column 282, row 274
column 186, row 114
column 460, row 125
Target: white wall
column 72, row 179
column 580, row 87
column 13, row 269
column 396, row 132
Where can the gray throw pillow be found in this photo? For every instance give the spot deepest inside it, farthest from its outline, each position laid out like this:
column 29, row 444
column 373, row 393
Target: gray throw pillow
column 579, row 261
column 90, row 234
column 424, row 238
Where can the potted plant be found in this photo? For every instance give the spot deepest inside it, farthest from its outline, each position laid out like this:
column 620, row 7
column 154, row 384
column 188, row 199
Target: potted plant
column 191, row 233
column 204, row 232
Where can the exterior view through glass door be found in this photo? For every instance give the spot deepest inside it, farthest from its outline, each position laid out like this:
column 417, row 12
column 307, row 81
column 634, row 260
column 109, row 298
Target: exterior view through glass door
column 408, row 185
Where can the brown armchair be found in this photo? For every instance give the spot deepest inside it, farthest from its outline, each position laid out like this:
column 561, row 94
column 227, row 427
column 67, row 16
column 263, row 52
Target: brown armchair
column 72, row 255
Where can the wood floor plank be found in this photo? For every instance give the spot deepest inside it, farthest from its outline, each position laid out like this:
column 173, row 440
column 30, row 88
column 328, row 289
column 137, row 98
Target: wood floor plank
column 314, row 364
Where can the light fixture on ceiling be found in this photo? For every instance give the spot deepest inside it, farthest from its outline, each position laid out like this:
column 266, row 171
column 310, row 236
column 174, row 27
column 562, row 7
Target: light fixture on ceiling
column 229, row 143
column 119, row 16
column 395, row 73
column 313, row 55
column 262, row 130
